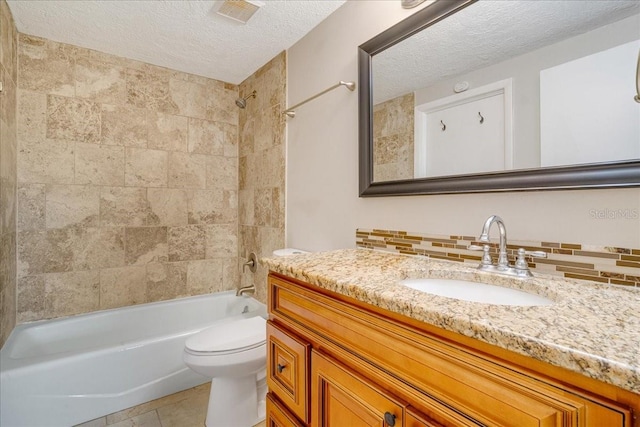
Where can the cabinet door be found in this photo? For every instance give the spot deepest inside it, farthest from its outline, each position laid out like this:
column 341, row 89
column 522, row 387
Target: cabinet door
column 278, row 416
column 287, row 369
column 341, row 398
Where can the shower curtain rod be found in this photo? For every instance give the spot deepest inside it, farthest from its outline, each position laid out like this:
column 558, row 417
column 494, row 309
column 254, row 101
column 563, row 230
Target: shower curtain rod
column 349, row 85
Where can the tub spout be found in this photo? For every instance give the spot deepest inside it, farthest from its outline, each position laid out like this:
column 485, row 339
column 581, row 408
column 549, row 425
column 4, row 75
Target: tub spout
column 251, row 289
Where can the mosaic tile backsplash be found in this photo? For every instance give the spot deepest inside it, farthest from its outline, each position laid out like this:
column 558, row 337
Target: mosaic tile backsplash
column 603, row 264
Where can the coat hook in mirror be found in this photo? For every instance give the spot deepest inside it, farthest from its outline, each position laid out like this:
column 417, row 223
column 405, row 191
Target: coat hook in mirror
column 444, row 127
column 481, row 118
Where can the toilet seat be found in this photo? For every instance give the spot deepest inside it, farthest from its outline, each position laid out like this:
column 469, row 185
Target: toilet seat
column 229, row 337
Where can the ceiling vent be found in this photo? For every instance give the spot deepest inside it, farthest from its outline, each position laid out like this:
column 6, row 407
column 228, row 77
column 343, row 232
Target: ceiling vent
column 239, row 10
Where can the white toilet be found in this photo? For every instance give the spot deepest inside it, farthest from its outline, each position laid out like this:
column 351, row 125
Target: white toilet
column 234, row 355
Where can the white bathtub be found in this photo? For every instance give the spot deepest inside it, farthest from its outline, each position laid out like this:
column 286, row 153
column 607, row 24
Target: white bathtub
column 67, row 371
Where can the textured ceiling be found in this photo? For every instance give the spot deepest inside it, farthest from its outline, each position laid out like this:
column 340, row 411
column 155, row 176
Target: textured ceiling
column 184, row 35
column 485, row 33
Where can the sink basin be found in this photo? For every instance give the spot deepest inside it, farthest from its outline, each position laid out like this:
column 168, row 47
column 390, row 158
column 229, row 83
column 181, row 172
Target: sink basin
column 476, row 292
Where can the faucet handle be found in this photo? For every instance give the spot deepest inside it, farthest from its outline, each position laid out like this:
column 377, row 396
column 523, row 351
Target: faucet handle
column 521, row 262
column 486, row 257
column 535, row 254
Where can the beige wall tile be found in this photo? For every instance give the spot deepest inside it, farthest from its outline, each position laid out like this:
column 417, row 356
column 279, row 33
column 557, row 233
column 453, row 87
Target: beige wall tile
column 44, row 251
column 203, row 205
column 207, row 137
column 31, row 298
column 100, row 82
column 71, row 293
column 115, row 60
column 246, row 214
column 221, row 105
column 31, row 206
column 168, row 206
column 8, row 205
column 121, row 206
column 222, row 241
column 8, row 41
column 187, row 170
column 146, row 168
column 99, row 164
column 123, row 286
column 189, row 97
column 150, row 89
column 146, row 244
column 47, row 161
column 231, row 273
column 73, row 119
column 222, row 172
column 72, row 205
column 95, row 248
column 167, row 132
column 46, row 66
column 166, row 280
column 124, row 125
column 230, row 140
column 31, row 116
column 187, row 243
column 205, row 276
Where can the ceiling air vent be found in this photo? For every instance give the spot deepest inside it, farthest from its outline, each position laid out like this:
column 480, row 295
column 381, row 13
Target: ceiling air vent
column 239, row 10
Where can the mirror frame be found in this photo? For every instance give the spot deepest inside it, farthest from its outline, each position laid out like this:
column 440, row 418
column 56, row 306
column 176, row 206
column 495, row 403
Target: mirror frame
column 586, row 176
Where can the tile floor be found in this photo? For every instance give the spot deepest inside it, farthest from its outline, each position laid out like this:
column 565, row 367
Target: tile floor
column 184, row 409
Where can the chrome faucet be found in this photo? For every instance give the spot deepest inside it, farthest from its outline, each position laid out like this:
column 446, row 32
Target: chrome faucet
column 503, row 261
column 521, row 267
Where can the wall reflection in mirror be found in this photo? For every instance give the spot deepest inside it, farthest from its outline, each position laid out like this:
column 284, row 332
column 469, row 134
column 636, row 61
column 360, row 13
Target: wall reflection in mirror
column 506, row 85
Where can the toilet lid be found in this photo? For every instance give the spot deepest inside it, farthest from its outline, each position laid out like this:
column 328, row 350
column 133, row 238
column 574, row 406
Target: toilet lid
column 235, row 335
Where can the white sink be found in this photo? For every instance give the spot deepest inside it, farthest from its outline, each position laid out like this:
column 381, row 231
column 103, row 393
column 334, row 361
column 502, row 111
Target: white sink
column 475, row 292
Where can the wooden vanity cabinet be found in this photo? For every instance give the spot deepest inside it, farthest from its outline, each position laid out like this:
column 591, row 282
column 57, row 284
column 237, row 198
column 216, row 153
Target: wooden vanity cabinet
column 336, row 362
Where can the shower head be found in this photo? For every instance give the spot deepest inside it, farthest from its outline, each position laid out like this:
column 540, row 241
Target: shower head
column 242, row 102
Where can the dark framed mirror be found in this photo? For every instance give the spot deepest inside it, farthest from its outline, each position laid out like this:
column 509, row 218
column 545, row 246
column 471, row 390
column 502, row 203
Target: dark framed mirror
column 390, row 73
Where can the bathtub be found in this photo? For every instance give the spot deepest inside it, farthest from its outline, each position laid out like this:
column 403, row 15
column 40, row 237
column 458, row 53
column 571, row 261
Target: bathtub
column 67, row 371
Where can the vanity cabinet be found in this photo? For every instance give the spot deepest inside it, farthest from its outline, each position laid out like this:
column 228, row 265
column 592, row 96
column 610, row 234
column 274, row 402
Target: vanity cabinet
column 335, row 361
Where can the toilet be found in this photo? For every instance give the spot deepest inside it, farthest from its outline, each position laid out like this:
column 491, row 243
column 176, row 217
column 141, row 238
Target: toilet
column 234, row 355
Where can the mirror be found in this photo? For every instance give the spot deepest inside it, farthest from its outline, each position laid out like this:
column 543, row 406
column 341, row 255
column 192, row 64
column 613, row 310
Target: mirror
column 468, row 96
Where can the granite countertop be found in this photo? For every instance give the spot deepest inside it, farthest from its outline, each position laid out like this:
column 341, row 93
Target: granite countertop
column 592, row 329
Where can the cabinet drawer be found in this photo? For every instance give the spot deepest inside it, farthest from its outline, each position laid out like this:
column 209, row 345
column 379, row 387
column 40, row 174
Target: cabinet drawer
column 288, row 369
column 482, row 389
column 278, row 416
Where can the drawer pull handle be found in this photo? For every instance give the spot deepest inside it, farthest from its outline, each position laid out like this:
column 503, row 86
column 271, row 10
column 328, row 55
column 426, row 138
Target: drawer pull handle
column 281, row 368
column 390, row 419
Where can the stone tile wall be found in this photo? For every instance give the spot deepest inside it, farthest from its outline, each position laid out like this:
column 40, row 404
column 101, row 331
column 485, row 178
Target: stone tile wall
column 262, row 168
column 393, row 124
column 127, row 182
column 8, row 171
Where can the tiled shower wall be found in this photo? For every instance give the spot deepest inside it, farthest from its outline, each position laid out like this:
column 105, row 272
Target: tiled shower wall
column 8, row 147
column 262, row 167
column 127, row 182
column 393, row 138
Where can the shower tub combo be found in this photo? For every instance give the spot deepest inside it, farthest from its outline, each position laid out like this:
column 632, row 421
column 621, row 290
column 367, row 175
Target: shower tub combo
column 67, row 371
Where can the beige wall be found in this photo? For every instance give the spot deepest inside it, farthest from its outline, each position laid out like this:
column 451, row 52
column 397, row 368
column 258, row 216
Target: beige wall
column 323, row 208
column 262, row 168
column 8, row 171
column 127, row 182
